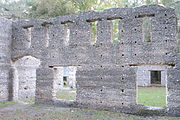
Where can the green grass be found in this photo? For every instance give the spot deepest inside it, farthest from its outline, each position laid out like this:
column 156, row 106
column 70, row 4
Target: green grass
column 29, row 100
column 6, row 103
column 66, row 86
column 42, row 112
column 152, row 96
column 66, row 94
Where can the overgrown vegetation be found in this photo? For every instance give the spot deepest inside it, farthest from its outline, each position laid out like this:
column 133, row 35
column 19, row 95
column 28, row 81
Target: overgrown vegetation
column 43, row 9
column 48, row 8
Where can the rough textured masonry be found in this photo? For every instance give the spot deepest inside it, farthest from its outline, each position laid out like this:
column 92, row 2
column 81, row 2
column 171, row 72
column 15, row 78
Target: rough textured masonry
column 106, row 71
column 144, row 74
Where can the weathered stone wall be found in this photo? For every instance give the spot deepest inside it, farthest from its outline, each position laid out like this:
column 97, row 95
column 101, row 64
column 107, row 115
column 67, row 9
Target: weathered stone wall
column 173, row 87
column 26, row 77
column 71, row 79
column 58, row 79
column 144, row 74
column 106, row 74
column 5, row 59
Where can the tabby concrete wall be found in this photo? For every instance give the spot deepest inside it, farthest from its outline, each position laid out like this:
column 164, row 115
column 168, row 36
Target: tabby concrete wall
column 58, row 79
column 144, row 74
column 106, row 74
column 5, row 59
column 71, row 79
column 26, row 77
column 173, row 86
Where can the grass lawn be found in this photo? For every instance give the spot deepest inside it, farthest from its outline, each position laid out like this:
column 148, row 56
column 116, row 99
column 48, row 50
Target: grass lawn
column 29, row 100
column 66, row 94
column 152, row 96
column 6, row 103
column 13, row 111
column 43, row 112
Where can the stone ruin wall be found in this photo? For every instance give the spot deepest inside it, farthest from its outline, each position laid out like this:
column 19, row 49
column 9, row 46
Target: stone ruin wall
column 144, row 74
column 106, row 73
column 72, row 76
column 5, row 59
column 25, row 77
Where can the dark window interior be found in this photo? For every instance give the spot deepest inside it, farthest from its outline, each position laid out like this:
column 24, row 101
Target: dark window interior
column 155, row 77
column 65, row 80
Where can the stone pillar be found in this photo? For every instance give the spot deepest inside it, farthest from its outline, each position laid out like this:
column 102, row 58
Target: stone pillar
column 5, row 59
column 44, row 86
column 58, row 79
column 15, row 82
column 26, row 75
column 44, row 93
column 164, row 77
column 71, row 79
column 173, row 89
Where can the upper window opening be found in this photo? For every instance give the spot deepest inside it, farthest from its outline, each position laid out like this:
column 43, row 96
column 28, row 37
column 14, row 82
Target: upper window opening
column 47, row 35
column 93, row 32
column 115, row 30
column 147, row 29
column 28, row 33
column 67, row 34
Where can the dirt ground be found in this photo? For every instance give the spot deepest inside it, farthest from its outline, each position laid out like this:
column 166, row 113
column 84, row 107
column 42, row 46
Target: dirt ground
column 21, row 111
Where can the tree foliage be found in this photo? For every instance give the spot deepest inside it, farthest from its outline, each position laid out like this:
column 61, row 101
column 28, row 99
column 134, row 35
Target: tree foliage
column 13, row 9
column 48, row 8
column 41, row 9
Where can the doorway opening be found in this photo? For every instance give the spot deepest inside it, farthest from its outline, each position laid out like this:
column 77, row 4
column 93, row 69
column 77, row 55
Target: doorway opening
column 151, row 85
column 65, row 82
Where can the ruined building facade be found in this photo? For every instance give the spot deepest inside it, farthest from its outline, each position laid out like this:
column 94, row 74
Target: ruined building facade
column 107, row 73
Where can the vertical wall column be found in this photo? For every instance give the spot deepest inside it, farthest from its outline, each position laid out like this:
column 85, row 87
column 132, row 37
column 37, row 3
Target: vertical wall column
column 80, row 33
column 25, row 77
column 173, row 88
column 164, row 77
column 72, row 76
column 104, row 31
column 44, row 75
column 5, row 59
column 58, row 78
column 14, row 83
column 44, row 86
